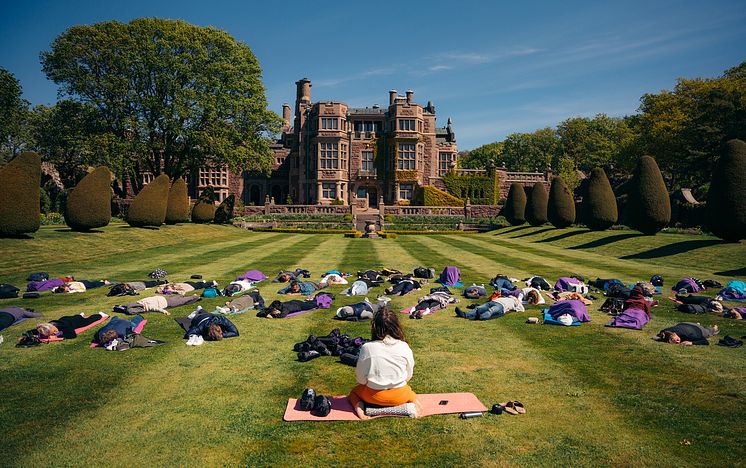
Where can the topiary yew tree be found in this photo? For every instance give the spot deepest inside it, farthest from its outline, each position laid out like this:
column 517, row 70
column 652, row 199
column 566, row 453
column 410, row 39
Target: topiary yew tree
column 150, row 205
column 515, row 205
column 536, row 209
column 178, row 203
column 561, row 207
column 649, row 204
column 89, row 203
column 19, row 195
column 224, row 212
column 726, row 199
column 599, row 206
column 204, row 210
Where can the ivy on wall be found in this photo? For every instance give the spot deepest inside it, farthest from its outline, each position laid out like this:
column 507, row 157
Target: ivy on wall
column 479, row 189
column 433, row 196
column 406, row 175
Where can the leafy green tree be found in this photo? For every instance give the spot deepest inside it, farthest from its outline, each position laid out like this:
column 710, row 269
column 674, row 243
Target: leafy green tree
column 485, row 156
column 14, row 117
column 530, row 151
column 595, row 142
column 172, row 96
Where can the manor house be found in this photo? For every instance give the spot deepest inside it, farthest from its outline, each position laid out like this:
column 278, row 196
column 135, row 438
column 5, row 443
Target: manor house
column 329, row 151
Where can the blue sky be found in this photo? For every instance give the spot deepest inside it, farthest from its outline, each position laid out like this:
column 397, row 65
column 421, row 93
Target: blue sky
column 494, row 67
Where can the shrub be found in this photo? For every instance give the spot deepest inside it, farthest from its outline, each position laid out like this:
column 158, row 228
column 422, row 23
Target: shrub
column 649, row 206
column 338, row 202
column 536, row 208
column 224, row 212
column 599, row 205
column 388, row 235
column 52, row 218
column 178, row 203
column 561, row 207
column 726, row 200
column 204, row 210
column 480, row 189
column 347, row 217
column 89, row 203
column 515, row 206
column 388, row 218
column 149, row 206
column 433, row 196
column 20, row 195
column 355, row 234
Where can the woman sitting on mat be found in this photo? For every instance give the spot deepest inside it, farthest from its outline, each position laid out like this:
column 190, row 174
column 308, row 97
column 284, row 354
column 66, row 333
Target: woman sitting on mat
column 384, row 367
column 687, row 334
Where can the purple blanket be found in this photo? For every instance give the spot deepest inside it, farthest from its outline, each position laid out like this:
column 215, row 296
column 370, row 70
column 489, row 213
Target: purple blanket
column 252, row 276
column 573, row 307
column 41, row 286
column 630, row 318
column 563, row 284
column 687, row 284
column 450, row 276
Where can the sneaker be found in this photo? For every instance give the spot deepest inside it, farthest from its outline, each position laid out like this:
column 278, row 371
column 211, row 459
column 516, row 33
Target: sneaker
column 460, row 313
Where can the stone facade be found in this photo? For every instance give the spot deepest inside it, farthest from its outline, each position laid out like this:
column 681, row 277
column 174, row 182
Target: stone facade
column 331, row 151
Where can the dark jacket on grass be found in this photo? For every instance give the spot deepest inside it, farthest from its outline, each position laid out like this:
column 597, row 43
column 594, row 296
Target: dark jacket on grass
column 201, row 323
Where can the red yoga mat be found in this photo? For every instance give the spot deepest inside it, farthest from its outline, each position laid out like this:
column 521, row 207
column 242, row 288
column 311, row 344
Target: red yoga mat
column 342, row 410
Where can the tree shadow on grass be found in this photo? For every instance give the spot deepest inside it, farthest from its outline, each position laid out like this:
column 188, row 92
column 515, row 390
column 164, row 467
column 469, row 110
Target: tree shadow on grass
column 92, row 231
column 540, row 231
column 606, row 241
column 513, row 229
column 564, row 235
column 735, row 272
column 673, row 249
column 16, row 236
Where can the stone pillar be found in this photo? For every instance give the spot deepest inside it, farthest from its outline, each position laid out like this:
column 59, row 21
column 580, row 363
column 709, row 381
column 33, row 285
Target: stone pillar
column 338, row 186
column 467, row 208
column 267, row 209
column 319, row 193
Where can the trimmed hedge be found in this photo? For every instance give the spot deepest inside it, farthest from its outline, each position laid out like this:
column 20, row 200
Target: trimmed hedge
column 561, row 207
column 536, row 208
column 433, row 196
column 394, row 231
column 354, row 235
column 89, row 203
column 515, row 206
column 305, row 231
column 150, row 205
column 649, row 204
column 726, row 199
column 20, row 211
column 599, row 206
column 224, row 212
column 204, row 210
column 178, row 203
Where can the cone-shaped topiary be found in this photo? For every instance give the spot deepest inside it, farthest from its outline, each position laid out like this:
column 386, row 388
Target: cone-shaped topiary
column 224, row 213
column 515, row 205
column 561, row 208
column 178, row 203
column 599, row 205
column 536, row 208
column 649, row 204
column 149, row 206
column 726, row 200
column 89, row 203
column 19, row 195
column 204, row 210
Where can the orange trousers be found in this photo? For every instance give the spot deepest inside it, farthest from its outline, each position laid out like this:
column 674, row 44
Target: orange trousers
column 390, row 397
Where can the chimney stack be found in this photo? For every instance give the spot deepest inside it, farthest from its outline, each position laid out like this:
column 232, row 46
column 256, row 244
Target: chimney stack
column 286, row 114
column 410, row 93
column 392, row 97
column 304, row 90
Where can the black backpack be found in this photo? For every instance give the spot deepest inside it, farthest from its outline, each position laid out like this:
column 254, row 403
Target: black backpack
column 423, row 272
column 121, row 289
column 613, row 306
column 8, row 291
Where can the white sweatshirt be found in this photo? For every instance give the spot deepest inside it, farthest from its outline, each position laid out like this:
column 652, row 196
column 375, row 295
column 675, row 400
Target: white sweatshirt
column 385, row 364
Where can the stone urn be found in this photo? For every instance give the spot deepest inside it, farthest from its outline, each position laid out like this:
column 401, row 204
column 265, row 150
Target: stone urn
column 370, row 230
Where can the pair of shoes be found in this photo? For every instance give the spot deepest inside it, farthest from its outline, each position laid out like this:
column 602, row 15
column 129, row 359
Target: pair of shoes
column 195, row 340
column 513, row 407
column 730, row 342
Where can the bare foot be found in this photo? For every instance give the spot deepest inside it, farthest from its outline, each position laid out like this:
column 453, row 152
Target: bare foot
column 360, row 411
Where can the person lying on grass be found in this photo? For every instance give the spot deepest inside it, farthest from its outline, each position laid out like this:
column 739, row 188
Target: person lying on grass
column 736, row 313
column 692, row 304
column 302, row 288
column 117, row 328
column 279, row 309
column 384, row 367
column 403, row 287
column 285, row 276
column 210, row 327
column 495, row 307
column 687, row 334
column 78, row 286
column 65, row 326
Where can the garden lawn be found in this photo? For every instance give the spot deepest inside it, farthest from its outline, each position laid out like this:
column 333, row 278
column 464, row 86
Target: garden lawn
column 594, row 395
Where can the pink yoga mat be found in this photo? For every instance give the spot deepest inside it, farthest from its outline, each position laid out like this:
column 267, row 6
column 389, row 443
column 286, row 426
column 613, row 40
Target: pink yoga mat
column 77, row 330
column 342, row 410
